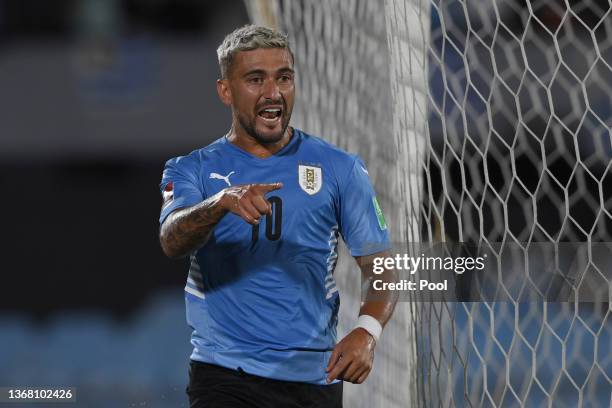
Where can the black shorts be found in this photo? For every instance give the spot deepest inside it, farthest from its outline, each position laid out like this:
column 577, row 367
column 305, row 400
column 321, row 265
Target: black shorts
column 211, row 386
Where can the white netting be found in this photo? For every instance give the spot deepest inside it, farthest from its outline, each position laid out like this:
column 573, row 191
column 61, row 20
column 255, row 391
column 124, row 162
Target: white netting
column 485, row 122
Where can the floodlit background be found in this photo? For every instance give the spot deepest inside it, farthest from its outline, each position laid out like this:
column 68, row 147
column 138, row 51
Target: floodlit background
column 95, row 95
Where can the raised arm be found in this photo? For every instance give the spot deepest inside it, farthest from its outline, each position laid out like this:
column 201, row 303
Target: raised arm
column 187, row 229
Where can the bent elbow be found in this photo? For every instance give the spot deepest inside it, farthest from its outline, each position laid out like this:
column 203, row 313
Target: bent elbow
column 168, row 250
column 171, row 253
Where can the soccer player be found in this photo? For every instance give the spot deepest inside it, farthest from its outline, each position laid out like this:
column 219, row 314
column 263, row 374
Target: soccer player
column 259, row 211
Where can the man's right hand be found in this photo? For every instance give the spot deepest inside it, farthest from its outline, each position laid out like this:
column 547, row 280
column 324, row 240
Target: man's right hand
column 248, row 201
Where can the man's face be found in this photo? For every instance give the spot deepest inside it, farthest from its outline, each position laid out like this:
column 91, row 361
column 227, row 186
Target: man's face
column 260, row 89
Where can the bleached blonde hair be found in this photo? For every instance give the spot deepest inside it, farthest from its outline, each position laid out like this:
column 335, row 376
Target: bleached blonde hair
column 247, row 38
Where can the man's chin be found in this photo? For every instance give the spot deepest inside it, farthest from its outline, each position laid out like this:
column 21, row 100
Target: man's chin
column 267, row 136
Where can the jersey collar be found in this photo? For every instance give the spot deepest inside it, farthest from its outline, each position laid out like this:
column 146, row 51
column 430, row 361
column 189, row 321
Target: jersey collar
column 296, row 134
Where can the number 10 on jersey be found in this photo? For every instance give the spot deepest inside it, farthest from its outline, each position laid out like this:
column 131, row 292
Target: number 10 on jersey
column 273, row 221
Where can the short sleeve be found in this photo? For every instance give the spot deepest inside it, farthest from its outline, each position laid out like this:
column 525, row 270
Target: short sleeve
column 179, row 186
column 362, row 223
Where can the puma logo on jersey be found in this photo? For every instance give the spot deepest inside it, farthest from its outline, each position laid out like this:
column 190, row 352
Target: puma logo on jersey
column 364, row 170
column 224, row 178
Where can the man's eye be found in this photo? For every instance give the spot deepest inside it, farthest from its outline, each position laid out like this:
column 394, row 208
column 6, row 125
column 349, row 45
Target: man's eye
column 256, row 80
column 286, row 78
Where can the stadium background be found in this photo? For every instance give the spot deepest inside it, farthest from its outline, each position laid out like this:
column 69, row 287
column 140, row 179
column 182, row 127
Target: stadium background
column 95, row 96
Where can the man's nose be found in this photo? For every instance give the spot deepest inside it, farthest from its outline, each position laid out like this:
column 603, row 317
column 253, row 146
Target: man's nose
column 271, row 90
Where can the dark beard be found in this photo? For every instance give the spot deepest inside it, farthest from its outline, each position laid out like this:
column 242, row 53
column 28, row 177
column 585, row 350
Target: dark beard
column 249, row 127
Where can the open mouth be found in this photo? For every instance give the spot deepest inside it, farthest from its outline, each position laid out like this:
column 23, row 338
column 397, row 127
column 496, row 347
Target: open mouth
column 270, row 114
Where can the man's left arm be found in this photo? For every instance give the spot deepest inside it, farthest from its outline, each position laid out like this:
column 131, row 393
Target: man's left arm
column 353, row 356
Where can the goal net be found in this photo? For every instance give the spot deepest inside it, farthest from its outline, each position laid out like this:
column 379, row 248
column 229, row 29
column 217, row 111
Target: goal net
column 489, row 123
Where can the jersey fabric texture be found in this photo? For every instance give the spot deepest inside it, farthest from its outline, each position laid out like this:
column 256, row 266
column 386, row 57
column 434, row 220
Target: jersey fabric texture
column 263, row 299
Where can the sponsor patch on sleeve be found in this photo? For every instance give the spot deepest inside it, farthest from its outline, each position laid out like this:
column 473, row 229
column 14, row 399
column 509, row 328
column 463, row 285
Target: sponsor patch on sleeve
column 168, row 194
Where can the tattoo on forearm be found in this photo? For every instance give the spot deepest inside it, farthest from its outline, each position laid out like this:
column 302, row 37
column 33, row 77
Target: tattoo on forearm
column 188, row 229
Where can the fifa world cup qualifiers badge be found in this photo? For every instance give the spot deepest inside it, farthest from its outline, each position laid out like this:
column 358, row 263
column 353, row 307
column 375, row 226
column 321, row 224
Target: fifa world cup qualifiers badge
column 168, row 194
column 382, row 224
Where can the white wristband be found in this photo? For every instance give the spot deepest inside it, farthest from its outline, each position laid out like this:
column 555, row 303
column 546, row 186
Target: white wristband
column 371, row 325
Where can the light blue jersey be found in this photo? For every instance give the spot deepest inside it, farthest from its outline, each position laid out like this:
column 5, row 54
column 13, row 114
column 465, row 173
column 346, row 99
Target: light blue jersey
column 264, row 298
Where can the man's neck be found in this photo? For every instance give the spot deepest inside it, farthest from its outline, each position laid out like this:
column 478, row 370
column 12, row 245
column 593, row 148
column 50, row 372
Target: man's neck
column 253, row 146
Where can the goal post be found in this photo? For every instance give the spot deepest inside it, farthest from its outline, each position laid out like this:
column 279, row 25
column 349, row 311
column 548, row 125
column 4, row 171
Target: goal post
column 344, row 95
column 488, row 123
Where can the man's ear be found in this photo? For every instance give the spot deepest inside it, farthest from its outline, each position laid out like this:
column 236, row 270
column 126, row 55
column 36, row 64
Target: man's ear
column 224, row 92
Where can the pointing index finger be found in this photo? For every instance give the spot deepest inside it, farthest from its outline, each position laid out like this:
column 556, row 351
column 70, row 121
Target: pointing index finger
column 267, row 187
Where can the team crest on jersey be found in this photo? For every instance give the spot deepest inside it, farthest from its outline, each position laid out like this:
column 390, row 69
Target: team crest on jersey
column 310, row 178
